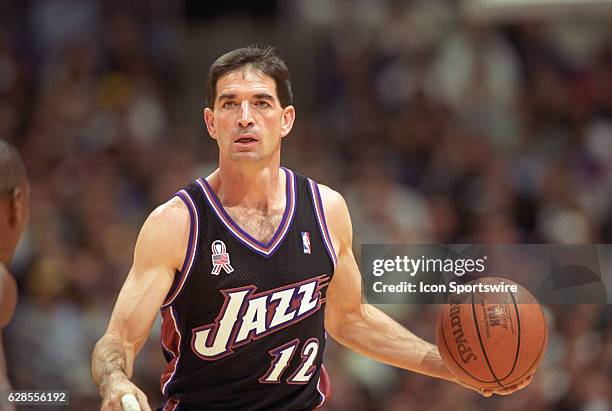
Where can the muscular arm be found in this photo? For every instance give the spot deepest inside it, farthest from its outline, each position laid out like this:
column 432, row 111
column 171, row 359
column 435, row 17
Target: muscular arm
column 160, row 250
column 366, row 329
column 361, row 327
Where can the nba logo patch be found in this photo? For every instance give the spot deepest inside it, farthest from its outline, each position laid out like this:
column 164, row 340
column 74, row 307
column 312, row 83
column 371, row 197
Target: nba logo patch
column 306, row 242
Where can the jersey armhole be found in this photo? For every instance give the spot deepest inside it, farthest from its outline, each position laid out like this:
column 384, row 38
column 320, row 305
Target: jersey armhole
column 317, row 205
column 194, row 226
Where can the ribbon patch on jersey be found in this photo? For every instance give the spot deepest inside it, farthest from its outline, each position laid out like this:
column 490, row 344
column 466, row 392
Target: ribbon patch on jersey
column 220, row 258
column 306, row 242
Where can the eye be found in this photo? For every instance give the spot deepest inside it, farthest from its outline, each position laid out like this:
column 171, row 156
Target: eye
column 262, row 104
column 229, row 104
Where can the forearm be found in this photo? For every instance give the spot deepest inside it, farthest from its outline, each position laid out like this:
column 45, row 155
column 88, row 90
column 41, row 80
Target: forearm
column 372, row 333
column 111, row 359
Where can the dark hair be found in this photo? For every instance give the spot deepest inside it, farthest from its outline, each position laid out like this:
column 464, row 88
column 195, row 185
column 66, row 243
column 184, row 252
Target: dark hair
column 265, row 61
column 12, row 169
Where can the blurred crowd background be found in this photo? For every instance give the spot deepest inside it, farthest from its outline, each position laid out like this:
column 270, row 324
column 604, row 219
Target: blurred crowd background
column 436, row 126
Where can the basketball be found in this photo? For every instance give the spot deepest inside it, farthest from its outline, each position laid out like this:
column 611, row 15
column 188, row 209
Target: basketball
column 491, row 339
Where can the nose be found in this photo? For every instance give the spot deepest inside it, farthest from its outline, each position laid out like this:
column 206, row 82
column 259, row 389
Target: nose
column 245, row 120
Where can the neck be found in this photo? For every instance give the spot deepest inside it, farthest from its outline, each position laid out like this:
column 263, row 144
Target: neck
column 248, row 185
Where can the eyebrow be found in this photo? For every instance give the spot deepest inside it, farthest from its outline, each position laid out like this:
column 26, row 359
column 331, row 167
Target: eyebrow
column 226, row 96
column 264, row 96
column 231, row 96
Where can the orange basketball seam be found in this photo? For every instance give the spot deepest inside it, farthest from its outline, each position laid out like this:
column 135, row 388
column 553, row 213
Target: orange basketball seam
column 484, row 352
column 539, row 356
column 518, row 345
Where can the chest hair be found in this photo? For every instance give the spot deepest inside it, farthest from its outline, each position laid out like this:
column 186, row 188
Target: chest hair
column 260, row 224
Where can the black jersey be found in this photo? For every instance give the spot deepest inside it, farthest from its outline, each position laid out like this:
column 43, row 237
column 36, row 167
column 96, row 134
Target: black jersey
column 243, row 324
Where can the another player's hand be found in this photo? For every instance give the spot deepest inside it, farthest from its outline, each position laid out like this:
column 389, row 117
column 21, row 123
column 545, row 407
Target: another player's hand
column 499, row 391
column 117, row 387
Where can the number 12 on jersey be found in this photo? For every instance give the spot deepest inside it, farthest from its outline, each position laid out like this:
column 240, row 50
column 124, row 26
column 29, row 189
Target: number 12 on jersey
column 282, row 357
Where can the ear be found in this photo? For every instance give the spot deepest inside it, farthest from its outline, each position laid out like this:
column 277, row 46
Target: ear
column 209, row 119
column 18, row 213
column 287, row 120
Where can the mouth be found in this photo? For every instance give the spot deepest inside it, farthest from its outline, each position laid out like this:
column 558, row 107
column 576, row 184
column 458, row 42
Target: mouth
column 245, row 139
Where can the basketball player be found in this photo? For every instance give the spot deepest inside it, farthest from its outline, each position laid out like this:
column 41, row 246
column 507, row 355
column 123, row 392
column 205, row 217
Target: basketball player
column 14, row 214
column 249, row 266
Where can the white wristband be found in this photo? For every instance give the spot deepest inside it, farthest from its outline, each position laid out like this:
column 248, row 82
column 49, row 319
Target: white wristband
column 129, row 403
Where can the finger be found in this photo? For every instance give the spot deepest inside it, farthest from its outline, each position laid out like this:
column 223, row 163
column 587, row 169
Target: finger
column 110, row 405
column 486, row 392
column 519, row 386
column 143, row 401
column 513, row 388
column 525, row 382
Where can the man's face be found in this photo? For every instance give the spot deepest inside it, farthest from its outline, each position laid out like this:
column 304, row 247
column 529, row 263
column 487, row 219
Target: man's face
column 248, row 121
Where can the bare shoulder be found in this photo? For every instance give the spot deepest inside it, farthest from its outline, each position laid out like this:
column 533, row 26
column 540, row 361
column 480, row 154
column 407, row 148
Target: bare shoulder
column 168, row 219
column 165, row 233
column 169, row 213
column 336, row 215
column 333, row 202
